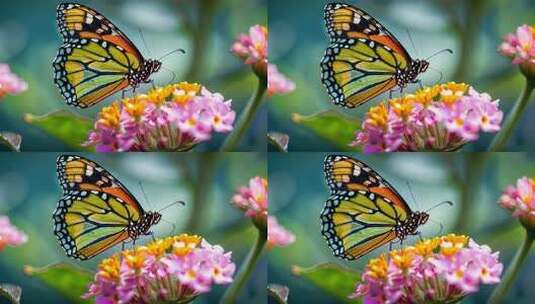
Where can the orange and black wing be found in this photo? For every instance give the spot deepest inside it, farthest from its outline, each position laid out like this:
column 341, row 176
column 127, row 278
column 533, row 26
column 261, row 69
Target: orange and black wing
column 95, row 210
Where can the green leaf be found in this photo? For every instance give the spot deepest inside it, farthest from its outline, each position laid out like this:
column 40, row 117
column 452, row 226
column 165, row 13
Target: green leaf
column 70, row 281
column 11, row 140
column 67, row 127
column 10, row 292
column 334, row 279
column 279, row 293
column 279, row 141
column 336, row 128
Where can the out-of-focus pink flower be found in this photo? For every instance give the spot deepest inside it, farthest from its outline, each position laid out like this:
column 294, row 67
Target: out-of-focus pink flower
column 9, row 82
column 175, row 270
column 439, row 118
column 520, row 200
column 278, row 235
column 172, row 118
column 252, row 47
column 277, row 82
column 439, row 270
column 253, row 199
column 520, row 46
column 9, row 234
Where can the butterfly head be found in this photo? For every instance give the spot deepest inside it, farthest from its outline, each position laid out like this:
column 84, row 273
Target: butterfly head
column 142, row 227
column 149, row 67
column 418, row 67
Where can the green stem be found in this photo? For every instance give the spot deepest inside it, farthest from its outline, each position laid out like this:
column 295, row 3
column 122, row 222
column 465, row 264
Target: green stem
column 499, row 142
column 498, row 295
column 246, row 268
column 246, row 117
column 202, row 32
column 201, row 192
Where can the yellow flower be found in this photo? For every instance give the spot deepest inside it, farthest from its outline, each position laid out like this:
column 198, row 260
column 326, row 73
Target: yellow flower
column 110, row 115
column 452, row 91
column 184, row 92
column 378, row 267
column 135, row 106
column 109, row 267
column 159, row 95
column 135, row 258
column 184, row 243
column 426, row 248
column 450, row 244
column 160, row 247
column 403, row 258
column 402, row 106
column 378, row 115
column 427, row 95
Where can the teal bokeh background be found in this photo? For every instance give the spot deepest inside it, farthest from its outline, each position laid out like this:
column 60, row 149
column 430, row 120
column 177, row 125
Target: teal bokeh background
column 29, row 41
column 29, row 193
column 472, row 181
column 472, row 29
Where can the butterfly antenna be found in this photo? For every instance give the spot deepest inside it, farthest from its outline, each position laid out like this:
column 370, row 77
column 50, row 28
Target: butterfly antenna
column 438, row 205
column 412, row 193
column 144, row 42
column 182, row 51
column 438, row 53
column 144, row 193
column 412, row 42
column 172, row 204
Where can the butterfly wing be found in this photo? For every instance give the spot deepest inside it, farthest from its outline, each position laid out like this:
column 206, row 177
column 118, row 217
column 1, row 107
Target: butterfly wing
column 363, row 58
column 95, row 210
column 363, row 210
column 356, row 222
column 95, row 59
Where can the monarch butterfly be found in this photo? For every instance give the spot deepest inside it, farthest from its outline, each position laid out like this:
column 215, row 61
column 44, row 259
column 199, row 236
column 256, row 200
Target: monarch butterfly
column 96, row 211
column 96, row 59
column 364, row 211
column 364, row 59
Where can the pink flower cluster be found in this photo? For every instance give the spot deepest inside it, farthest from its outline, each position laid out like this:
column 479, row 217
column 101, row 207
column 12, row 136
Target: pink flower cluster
column 520, row 46
column 252, row 47
column 439, row 270
column 439, row 118
column 253, row 199
column 520, row 200
column 171, row 270
column 277, row 82
column 278, row 235
column 172, row 118
column 9, row 234
column 9, row 82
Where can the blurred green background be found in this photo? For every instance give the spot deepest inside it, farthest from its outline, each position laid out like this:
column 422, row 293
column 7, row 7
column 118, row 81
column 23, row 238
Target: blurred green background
column 206, row 182
column 472, row 181
column 473, row 29
column 205, row 29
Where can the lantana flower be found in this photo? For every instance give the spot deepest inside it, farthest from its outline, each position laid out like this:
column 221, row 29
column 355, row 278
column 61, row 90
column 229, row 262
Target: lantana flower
column 438, row 270
column 278, row 235
column 252, row 48
column 277, row 82
column 9, row 234
column 172, row 118
column 520, row 200
column 253, row 199
column 9, row 82
column 170, row 270
column 520, row 47
column 439, row 118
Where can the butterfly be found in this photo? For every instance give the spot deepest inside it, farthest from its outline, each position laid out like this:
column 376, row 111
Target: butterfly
column 96, row 211
column 364, row 59
column 364, row 211
column 96, row 59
